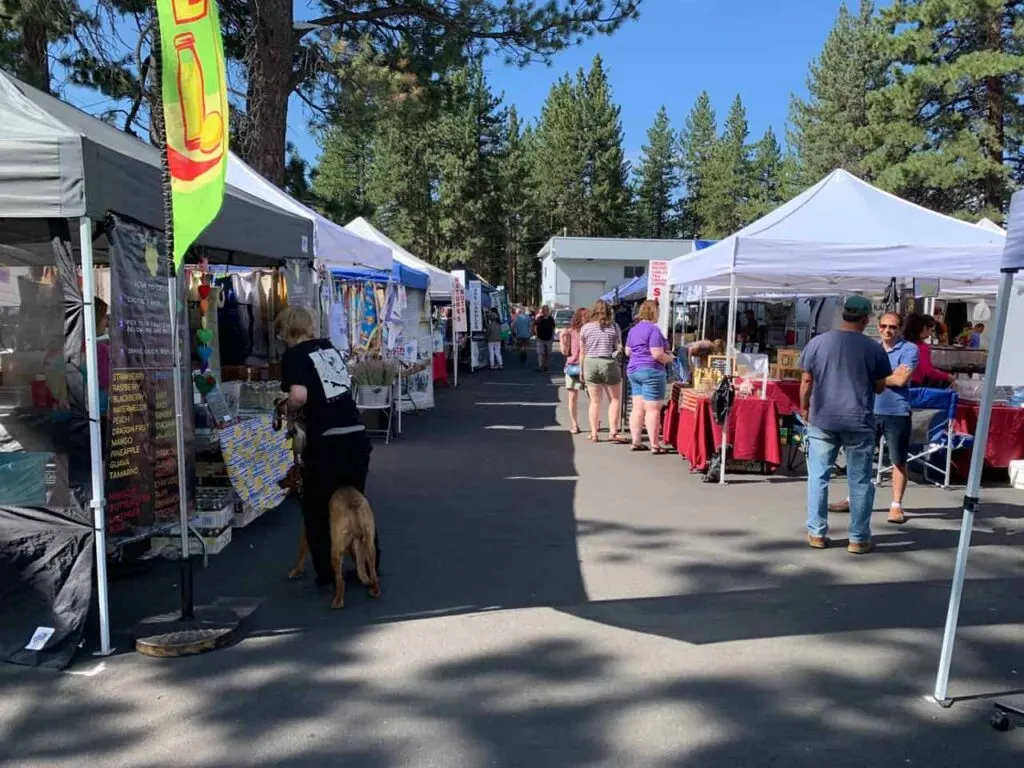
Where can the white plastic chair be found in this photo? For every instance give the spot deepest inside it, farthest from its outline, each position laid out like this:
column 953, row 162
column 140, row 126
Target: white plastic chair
column 380, row 399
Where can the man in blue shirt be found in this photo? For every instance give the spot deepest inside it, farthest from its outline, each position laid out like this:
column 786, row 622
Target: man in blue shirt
column 843, row 370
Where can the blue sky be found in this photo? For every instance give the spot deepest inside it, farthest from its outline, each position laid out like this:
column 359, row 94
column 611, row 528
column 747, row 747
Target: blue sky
column 676, row 49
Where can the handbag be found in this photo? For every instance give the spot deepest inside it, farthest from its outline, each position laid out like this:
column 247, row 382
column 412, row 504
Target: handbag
column 572, row 370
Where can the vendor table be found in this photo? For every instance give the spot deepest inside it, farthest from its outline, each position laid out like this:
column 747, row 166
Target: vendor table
column 440, row 368
column 1006, row 433
column 753, row 431
column 785, row 394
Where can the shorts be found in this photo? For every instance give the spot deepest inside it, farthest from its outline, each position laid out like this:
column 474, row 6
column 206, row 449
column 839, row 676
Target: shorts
column 648, row 383
column 602, row 371
column 896, row 430
column 543, row 347
column 573, row 383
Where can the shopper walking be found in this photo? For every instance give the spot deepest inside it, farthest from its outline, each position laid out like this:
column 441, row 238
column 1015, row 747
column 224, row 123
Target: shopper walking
column 648, row 355
column 544, row 327
column 494, row 340
column 601, row 344
column 570, row 344
column 843, row 370
column 522, row 329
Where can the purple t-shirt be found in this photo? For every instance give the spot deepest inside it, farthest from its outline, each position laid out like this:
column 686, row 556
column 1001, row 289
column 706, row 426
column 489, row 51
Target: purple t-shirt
column 642, row 337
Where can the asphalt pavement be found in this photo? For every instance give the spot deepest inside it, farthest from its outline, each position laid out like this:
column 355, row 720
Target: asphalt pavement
column 551, row 602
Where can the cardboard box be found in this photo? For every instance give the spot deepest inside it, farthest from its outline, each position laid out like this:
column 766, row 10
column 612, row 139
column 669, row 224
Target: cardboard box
column 244, row 515
column 216, row 520
column 169, row 545
column 787, row 357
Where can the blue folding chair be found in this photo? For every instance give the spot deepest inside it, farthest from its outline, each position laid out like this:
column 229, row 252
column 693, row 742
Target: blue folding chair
column 932, row 436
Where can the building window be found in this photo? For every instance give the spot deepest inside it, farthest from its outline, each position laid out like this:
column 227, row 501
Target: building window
column 631, row 272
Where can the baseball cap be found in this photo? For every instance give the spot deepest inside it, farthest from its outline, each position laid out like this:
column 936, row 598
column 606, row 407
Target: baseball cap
column 857, row 305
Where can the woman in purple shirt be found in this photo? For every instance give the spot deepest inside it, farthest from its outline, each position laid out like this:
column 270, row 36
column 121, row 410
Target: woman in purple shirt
column 648, row 355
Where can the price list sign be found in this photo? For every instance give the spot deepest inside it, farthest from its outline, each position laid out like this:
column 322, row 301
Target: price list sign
column 142, row 461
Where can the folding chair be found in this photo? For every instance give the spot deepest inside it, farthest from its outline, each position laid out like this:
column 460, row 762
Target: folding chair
column 380, row 399
column 798, row 448
column 931, row 434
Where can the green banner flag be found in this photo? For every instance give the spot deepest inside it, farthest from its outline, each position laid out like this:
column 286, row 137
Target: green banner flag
column 195, row 101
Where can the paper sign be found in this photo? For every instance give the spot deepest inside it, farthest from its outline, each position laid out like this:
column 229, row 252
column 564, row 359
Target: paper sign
column 476, row 306
column 40, row 638
column 460, row 323
column 926, row 287
column 657, row 280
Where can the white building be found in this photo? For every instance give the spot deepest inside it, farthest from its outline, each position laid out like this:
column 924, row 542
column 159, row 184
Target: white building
column 576, row 271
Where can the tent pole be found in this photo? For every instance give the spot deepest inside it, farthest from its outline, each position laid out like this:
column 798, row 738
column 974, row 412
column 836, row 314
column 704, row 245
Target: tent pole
column 972, row 490
column 729, row 351
column 187, row 599
column 92, row 381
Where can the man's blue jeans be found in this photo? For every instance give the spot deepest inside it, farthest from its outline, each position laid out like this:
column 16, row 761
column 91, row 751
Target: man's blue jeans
column 822, row 450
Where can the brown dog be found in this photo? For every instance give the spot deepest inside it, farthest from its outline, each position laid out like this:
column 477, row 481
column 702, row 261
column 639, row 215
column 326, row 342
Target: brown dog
column 353, row 531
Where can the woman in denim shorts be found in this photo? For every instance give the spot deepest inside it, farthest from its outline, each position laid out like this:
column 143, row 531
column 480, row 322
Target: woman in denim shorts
column 648, row 355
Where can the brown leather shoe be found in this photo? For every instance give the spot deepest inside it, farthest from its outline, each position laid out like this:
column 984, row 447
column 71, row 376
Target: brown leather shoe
column 859, row 547
column 817, row 542
column 840, row 506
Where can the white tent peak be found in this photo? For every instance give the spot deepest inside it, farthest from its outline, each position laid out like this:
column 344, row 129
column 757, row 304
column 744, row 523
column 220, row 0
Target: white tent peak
column 332, row 243
column 846, row 231
column 990, row 225
column 440, row 281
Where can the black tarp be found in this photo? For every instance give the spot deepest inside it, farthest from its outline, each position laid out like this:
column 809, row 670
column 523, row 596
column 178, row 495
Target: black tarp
column 46, row 566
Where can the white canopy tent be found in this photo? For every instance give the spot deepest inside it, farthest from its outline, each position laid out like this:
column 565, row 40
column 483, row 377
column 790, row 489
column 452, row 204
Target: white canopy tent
column 843, row 234
column 333, row 245
column 1012, row 263
column 440, row 281
column 991, row 226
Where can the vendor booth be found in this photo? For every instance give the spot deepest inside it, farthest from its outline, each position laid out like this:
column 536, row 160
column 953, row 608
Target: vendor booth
column 69, row 407
column 841, row 236
column 440, row 281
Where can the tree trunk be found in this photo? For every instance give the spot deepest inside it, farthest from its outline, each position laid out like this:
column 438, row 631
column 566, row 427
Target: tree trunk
column 270, row 83
column 35, row 54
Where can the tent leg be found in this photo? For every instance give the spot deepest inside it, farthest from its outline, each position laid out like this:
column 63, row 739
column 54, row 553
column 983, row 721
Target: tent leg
column 972, row 490
column 98, row 503
column 729, row 357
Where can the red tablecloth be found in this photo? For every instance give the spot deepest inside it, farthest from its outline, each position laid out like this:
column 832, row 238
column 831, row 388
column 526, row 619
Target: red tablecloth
column 440, row 368
column 1005, row 434
column 753, row 432
column 784, row 393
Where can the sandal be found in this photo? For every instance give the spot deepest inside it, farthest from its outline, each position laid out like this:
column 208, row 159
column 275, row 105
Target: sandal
column 659, row 450
column 574, row 430
column 617, row 438
column 638, row 447
column 594, row 438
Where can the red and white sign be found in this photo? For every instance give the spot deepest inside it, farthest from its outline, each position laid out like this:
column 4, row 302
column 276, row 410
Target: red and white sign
column 657, row 280
column 460, row 323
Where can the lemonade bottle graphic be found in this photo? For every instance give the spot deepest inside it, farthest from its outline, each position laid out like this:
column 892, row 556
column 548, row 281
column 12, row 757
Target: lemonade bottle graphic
column 203, row 130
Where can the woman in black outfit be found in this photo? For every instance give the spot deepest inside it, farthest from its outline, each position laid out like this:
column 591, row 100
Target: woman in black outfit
column 337, row 452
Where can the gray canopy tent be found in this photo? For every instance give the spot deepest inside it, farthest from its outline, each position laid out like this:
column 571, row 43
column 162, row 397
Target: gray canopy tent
column 58, row 163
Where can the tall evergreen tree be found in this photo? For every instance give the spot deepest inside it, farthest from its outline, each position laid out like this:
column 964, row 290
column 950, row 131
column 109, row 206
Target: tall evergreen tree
column 953, row 114
column 517, row 209
column 401, row 184
column 469, row 143
column 341, row 184
column 726, row 186
column 607, row 202
column 696, row 142
column 767, row 177
column 657, row 181
column 831, row 128
column 560, row 159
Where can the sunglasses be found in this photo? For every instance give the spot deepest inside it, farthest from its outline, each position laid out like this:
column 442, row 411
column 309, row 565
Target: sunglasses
column 887, row 327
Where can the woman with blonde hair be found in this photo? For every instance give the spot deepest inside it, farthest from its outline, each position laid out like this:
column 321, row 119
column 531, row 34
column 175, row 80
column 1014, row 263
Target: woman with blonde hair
column 600, row 351
column 337, row 452
column 569, row 343
column 648, row 355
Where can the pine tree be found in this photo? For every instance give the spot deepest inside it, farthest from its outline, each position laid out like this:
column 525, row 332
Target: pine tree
column 560, row 159
column 830, row 128
column 767, row 172
column 401, row 182
column 607, row 202
column 696, row 142
column 657, row 181
column 726, row 185
column 517, row 210
column 341, row 183
column 953, row 113
column 469, row 142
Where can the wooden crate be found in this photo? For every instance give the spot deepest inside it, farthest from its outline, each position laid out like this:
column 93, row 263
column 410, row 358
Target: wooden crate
column 787, row 357
column 779, row 373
